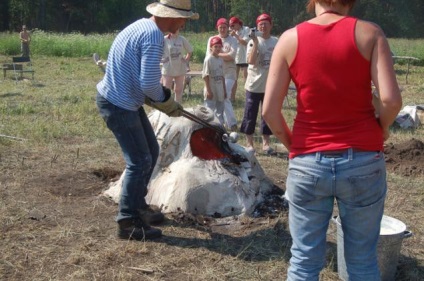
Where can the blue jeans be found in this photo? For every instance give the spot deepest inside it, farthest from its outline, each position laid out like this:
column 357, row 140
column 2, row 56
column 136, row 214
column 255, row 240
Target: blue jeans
column 135, row 135
column 357, row 181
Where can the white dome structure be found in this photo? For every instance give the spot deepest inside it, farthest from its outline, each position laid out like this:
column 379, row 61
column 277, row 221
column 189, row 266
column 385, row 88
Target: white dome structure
column 197, row 172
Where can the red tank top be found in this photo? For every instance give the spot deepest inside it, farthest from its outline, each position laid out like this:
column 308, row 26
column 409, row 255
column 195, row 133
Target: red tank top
column 333, row 81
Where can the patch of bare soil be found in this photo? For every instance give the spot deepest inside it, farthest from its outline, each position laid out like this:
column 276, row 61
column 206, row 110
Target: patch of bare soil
column 55, row 225
column 405, row 159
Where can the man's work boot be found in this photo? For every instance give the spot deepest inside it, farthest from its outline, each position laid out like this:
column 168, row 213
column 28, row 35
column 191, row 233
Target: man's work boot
column 137, row 229
column 151, row 215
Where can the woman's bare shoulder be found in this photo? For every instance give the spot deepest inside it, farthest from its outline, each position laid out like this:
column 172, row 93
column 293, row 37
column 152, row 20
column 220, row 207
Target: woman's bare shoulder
column 369, row 27
column 289, row 34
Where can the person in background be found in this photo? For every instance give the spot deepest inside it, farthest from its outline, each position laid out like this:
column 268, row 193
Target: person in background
column 132, row 78
column 241, row 33
column 259, row 51
column 213, row 75
column 176, row 56
column 228, row 54
column 25, row 38
column 336, row 143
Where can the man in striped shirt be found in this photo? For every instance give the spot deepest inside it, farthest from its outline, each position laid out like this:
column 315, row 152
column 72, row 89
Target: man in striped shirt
column 132, row 78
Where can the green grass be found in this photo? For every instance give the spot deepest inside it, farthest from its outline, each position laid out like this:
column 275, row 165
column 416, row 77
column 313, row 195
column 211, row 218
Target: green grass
column 59, row 104
column 79, row 45
column 408, row 47
column 68, row 58
column 58, row 45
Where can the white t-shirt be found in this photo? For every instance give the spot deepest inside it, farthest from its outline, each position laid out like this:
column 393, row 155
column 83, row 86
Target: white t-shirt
column 243, row 32
column 174, row 51
column 257, row 73
column 214, row 68
column 229, row 45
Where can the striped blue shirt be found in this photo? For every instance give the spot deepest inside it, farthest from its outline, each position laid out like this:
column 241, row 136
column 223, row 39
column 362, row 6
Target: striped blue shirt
column 133, row 66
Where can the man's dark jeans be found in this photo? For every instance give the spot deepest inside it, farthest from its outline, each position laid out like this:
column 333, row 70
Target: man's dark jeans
column 135, row 135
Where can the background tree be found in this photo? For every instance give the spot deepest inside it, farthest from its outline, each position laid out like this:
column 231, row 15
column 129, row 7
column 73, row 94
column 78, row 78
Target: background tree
column 397, row 18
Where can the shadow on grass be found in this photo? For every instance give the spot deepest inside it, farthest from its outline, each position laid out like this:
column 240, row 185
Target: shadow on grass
column 8, row 95
column 25, row 81
column 38, row 85
column 409, row 269
column 265, row 244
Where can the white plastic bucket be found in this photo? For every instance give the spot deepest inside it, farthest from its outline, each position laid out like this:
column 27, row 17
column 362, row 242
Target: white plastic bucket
column 392, row 232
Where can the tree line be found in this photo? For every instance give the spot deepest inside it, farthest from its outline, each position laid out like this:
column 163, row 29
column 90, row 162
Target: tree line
column 399, row 19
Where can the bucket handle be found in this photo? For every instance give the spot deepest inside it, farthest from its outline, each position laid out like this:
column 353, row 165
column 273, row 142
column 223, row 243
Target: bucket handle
column 407, row 234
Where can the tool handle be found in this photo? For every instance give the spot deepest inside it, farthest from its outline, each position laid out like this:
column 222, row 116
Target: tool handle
column 200, row 121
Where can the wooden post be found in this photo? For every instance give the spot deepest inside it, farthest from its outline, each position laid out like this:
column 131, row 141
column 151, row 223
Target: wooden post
column 409, row 64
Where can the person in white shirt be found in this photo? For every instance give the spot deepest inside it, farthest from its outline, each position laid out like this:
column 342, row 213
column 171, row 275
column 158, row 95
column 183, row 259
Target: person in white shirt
column 213, row 75
column 177, row 52
column 25, row 38
column 259, row 52
column 228, row 54
column 241, row 33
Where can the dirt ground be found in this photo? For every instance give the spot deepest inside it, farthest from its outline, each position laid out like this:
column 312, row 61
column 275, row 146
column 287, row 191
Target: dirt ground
column 56, row 226
column 405, row 159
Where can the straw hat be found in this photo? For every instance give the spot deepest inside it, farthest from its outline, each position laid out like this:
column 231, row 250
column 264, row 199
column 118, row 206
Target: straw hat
column 172, row 9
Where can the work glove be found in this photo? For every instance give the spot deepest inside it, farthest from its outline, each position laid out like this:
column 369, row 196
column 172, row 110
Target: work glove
column 168, row 106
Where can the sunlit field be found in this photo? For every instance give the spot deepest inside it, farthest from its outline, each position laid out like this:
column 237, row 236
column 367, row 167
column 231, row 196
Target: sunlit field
column 57, row 156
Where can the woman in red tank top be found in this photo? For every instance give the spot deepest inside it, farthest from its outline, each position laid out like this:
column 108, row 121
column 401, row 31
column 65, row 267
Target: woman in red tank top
column 335, row 145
